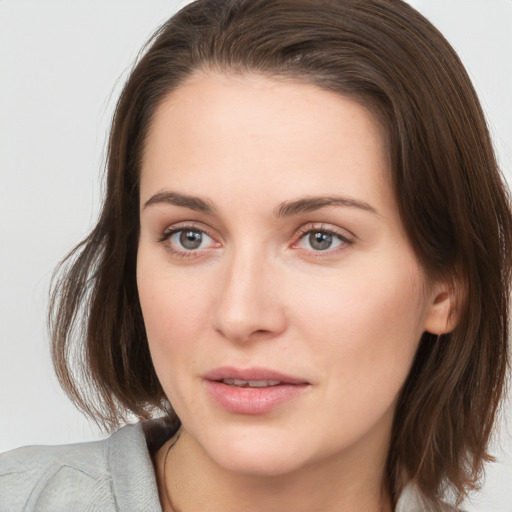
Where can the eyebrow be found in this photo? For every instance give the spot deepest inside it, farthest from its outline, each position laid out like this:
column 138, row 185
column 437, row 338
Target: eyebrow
column 192, row 203
column 309, row 204
column 285, row 209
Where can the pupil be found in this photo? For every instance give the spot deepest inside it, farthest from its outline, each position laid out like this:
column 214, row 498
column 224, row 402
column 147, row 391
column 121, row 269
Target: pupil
column 191, row 239
column 320, row 241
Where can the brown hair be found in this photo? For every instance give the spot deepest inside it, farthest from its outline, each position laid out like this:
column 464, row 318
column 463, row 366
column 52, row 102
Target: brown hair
column 450, row 194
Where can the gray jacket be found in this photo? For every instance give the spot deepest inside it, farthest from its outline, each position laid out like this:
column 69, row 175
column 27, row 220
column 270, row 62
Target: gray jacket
column 112, row 475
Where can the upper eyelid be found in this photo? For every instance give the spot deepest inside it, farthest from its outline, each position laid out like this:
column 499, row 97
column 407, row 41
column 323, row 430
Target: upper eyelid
column 327, row 228
column 306, row 228
column 182, row 226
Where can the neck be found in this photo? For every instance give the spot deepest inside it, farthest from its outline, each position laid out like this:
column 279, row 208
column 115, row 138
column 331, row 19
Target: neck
column 338, row 484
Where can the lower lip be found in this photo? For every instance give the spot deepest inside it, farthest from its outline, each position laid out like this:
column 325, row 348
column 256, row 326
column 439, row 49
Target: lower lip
column 252, row 400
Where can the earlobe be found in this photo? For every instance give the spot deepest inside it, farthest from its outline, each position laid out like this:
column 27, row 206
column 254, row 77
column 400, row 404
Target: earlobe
column 443, row 311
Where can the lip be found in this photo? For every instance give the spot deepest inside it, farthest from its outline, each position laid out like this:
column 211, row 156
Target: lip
column 227, row 372
column 252, row 401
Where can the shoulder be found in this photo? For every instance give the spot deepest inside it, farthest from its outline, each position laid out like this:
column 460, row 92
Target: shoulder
column 37, row 478
column 91, row 476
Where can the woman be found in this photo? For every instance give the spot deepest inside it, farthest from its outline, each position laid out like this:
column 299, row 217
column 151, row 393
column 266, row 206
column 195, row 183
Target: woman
column 302, row 262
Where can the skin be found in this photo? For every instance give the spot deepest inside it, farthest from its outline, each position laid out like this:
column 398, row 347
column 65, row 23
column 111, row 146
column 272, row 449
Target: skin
column 257, row 293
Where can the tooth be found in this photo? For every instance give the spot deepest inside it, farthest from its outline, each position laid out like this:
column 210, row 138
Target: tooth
column 263, row 383
column 250, row 383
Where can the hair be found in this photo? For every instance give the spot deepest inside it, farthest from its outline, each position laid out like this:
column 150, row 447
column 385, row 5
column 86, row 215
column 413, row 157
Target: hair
column 450, row 194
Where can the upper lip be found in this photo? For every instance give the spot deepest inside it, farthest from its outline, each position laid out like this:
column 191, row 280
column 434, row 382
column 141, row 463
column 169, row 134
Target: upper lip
column 251, row 374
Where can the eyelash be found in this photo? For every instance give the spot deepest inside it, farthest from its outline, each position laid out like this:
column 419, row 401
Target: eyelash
column 299, row 236
column 345, row 241
column 173, row 230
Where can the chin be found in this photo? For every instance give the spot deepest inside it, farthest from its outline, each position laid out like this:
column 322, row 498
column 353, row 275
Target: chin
column 258, row 463
column 256, row 452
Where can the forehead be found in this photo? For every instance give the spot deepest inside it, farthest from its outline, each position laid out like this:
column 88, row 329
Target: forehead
column 263, row 135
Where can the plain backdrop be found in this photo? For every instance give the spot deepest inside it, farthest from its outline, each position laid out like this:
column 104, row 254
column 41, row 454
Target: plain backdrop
column 62, row 64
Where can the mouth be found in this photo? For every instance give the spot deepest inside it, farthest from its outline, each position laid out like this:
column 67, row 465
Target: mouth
column 252, row 391
column 252, row 377
column 239, row 383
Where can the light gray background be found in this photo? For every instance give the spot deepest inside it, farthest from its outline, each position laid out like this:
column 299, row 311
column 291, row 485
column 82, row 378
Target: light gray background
column 61, row 67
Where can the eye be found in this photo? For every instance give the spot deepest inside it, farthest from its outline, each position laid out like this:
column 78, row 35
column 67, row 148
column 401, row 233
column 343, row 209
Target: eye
column 187, row 240
column 320, row 240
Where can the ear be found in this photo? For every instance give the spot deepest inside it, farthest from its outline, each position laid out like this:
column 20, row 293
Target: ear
column 444, row 306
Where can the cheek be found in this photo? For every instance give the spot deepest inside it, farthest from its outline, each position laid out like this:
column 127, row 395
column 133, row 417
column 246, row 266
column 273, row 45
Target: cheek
column 367, row 326
column 175, row 310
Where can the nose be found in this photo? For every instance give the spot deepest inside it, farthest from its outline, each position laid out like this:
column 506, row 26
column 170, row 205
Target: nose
column 249, row 304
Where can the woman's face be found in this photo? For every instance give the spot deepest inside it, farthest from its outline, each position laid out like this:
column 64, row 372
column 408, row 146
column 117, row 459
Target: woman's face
column 282, row 300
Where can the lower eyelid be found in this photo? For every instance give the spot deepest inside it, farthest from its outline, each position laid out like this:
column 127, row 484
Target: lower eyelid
column 176, row 250
column 340, row 242
column 170, row 231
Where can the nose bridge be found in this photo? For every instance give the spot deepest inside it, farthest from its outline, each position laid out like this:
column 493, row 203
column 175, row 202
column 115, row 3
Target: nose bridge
column 249, row 301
